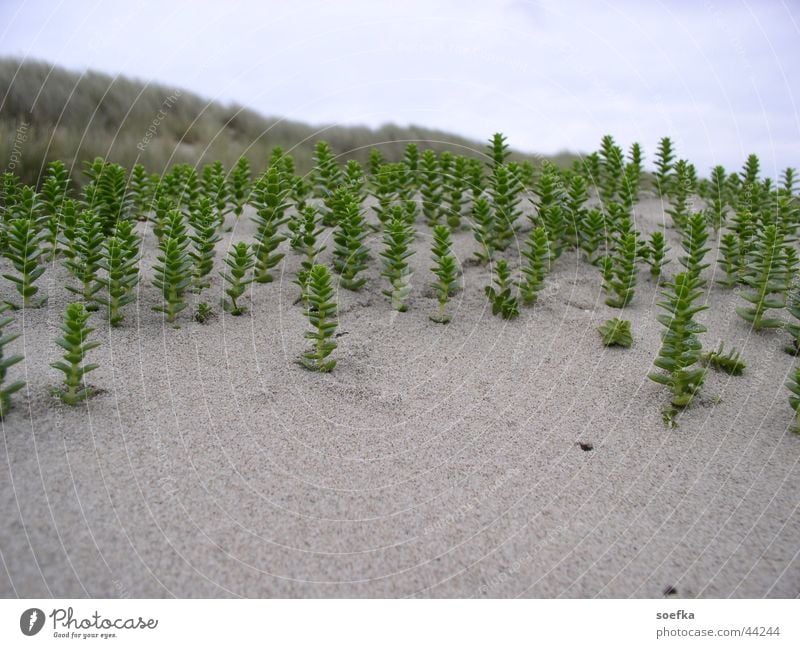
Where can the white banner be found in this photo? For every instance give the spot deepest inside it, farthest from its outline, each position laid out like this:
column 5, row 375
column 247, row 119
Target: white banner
column 401, row 623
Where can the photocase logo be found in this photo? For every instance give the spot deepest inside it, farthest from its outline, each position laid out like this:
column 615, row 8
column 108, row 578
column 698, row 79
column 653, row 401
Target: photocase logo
column 31, row 621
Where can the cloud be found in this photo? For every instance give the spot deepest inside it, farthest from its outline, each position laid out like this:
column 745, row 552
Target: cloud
column 552, row 75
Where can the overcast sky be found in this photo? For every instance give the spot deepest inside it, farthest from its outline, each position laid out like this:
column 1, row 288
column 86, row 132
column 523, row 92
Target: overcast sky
column 720, row 77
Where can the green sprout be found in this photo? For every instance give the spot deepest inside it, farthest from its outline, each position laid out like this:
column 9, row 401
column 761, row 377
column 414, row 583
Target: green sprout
column 215, row 188
column 173, row 270
column 619, row 268
column 681, row 188
column 717, row 212
column 205, row 236
column 430, row 187
column 680, row 349
column 74, row 341
column 693, row 242
column 397, row 238
column 731, row 363
column 665, row 157
column 55, row 190
column 616, row 332
column 6, row 362
column 140, row 192
column 482, row 228
column 793, row 384
column 311, row 230
column 240, row 262
column 454, row 187
column 270, row 198
column 24, row 253
column 766, row 279
column 537, row 254
column 84, row 261
column 445, row 270
column 321, row 313
column 106, row 192
column 239, row 187
column 612, row 162
column 657, row 249
column 503, row 302
column 203, row 312
column 497, row 151
column 593, row 235
column 349, row 253
column 120, row 259
column 505, row 190
column 549, row 207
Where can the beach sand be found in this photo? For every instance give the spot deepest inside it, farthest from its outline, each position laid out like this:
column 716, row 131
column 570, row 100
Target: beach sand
column 435, row 461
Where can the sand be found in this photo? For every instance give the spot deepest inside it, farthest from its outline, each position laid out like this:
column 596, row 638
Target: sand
column 435, row 461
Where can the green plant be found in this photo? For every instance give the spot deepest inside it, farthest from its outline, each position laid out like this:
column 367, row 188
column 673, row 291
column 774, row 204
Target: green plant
column 744, row 226
column 475, row 178
column 84, row 261
column 327, row 176
column 665, row 156
column 593, row 235
column 204, row 238
column 445, row 270
column 454, row 187
column 505, row 190
column 311, row 229
column 240, row 262
column 22, row 249
column 106, row 192
column 349, row 253
column 577, row 196
column 411, row 160
column 537, row 254
column 503, row 302
column 680, row 347
column 766, row 279
column 681, row 188
column 140, row 191
column 731, row 363
column 55, row 190
column 550, row 196
column 482, row 229
column 376, row 160
column 384, row 191
column 239, row 187
column 657, row 249
column 397, row 237
column 203, row 312
column 173, row 270
column 497, row 151
column 120, row 259
column 619, row 267
column 616, row 332
column 6, row 362
column 74, row 341
column 693, row 242
column 321, row 313
column 728, row 259
column 717, row 212
column 430, row 186
column 793, row 384
column 215, row 188
column 612, row 161
column 270, row 198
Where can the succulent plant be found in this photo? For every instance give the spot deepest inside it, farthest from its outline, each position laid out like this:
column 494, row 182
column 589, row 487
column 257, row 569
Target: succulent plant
column 593, row 236
column 203, row 312
column 430, row 187
column 612, row 162
column 215, row 189
column 270, row 198
column 321, row 312
column 681, row 189
column 445, row 270
column 693, row 242
column 455, row 187
column 349, row 253
column 74, row 341
column 504, row 302
column 140, row 193
column 24, row 252
column 616, row 332
column 497, row 151
column 6, row 362
column 718, row 208
column 550, row 211
column 680, row 349
column 731, row 362
column 619, row 267
column 84, row 262
column 240, row 262
column 505, row 190
column 657, row 249
column 106, row 193
column 793, row 384
column 205, row 236
column 239, row 186
column 665, row 158
column 483, row 229
column 766, row 280
column 310, row 232
column 538, row 257
column 173, row 270
column 120, row 261
column 397, row 238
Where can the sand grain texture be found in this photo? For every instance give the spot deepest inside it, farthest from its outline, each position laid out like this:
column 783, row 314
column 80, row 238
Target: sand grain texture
column 435, row 461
